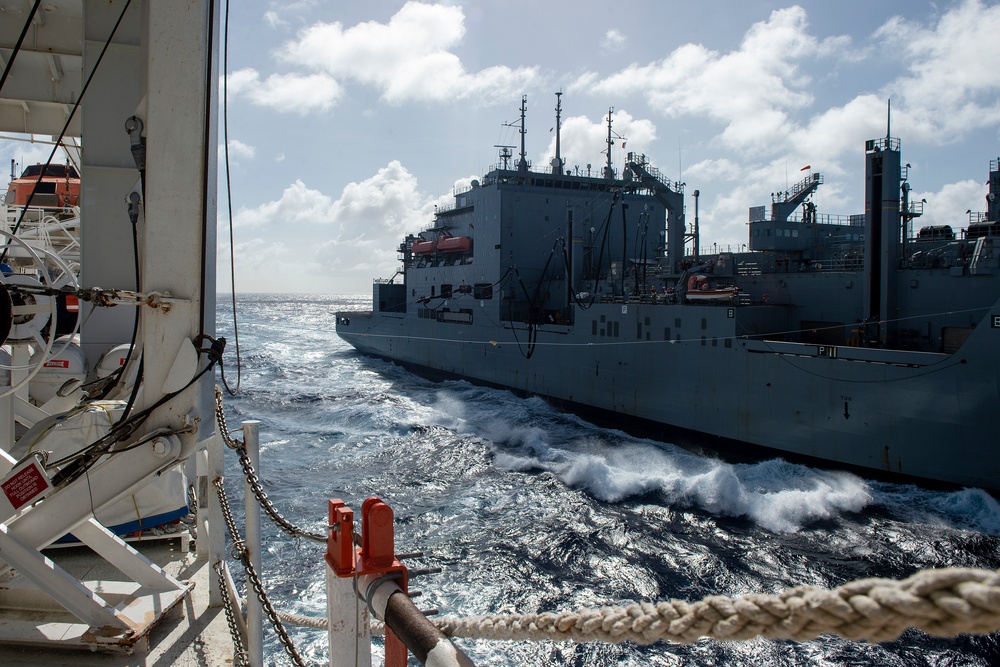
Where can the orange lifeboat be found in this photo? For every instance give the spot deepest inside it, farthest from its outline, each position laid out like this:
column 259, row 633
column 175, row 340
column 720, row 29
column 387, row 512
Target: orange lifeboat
column 54, row 185
column 423, row 247
column 454, row 244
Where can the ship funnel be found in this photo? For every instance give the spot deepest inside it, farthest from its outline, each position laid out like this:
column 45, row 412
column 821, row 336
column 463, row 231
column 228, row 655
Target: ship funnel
column 882, row 239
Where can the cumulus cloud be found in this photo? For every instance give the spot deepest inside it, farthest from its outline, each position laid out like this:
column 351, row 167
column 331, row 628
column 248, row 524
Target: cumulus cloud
column 265, row 265
column 838, row 130
column 369, row 220
column 256, row 252
column 409, row 58
column 715, row 169
column 953, row 81
column 298, row 205
column 299, row 93
column 948, row 205
column 751, row 90
column 353, row 237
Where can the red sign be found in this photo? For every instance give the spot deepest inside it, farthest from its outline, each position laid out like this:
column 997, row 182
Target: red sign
column 25, row 484
column 57, row 363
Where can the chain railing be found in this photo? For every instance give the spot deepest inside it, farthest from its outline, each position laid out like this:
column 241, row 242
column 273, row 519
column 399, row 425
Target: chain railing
column 239, row 550
column 240, row 656
column 240, row 553
column 254, row 481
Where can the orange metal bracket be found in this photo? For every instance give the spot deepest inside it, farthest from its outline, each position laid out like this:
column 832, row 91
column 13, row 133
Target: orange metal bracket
column 340, row 551
column 377, row 555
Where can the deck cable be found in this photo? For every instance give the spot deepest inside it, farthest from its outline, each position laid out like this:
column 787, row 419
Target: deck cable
column 229, row 203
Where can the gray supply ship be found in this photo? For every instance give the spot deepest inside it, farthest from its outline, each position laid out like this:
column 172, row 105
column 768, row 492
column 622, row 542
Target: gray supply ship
column 846, row 339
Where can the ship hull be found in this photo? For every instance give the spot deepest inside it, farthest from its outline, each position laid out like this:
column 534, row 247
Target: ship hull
column 913, row 414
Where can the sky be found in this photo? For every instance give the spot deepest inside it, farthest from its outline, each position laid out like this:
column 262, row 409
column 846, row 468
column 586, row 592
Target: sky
column 350, row 121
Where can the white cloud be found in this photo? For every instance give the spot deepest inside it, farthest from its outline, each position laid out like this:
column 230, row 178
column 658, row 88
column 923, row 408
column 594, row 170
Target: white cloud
column 353, row 237
column 298, row 205
column 948, row 205
column 280, row 11
column 953, row 80
column 751, row 90
column 298, row 93
column 406, row 59
column 840, row 130
column 370, row 218
column 264, row 265
column 713, row 170
column 237, row 150
column 613, row 40
column 388, row 201
column 274, row 20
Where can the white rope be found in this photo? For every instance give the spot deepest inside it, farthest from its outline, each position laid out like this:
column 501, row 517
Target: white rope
column 945, row 602
column 313, row 622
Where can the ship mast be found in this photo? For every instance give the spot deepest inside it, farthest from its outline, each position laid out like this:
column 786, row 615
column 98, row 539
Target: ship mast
column 557, row 163
column 609, row 172
column 888, row 118
column 522, row 164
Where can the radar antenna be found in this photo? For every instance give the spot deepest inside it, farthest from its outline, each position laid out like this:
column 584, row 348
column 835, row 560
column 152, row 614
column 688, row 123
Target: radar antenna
column 505, row 154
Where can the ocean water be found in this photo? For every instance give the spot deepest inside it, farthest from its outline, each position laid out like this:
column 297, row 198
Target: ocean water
column 527, row 508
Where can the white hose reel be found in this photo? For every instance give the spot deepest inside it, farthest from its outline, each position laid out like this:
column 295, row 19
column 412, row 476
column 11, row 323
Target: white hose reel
column 31, row 312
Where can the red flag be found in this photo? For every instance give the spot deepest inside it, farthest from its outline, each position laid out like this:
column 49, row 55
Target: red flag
column 808, row 166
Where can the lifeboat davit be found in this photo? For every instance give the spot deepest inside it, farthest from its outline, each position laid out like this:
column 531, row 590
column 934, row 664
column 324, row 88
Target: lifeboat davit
column 423, row 247
column 454, row 244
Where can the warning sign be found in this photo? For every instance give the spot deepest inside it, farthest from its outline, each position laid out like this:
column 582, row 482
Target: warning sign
column 25, row 483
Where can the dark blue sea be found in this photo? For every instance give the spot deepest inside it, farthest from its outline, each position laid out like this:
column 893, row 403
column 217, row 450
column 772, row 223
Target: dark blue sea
column 528, row 508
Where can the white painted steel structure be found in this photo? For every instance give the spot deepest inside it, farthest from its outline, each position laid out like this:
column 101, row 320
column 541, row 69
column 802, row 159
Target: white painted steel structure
column 161, row 67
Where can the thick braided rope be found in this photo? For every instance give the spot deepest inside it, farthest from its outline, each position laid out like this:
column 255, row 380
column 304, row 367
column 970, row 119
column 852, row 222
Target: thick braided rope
column 943, row 602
